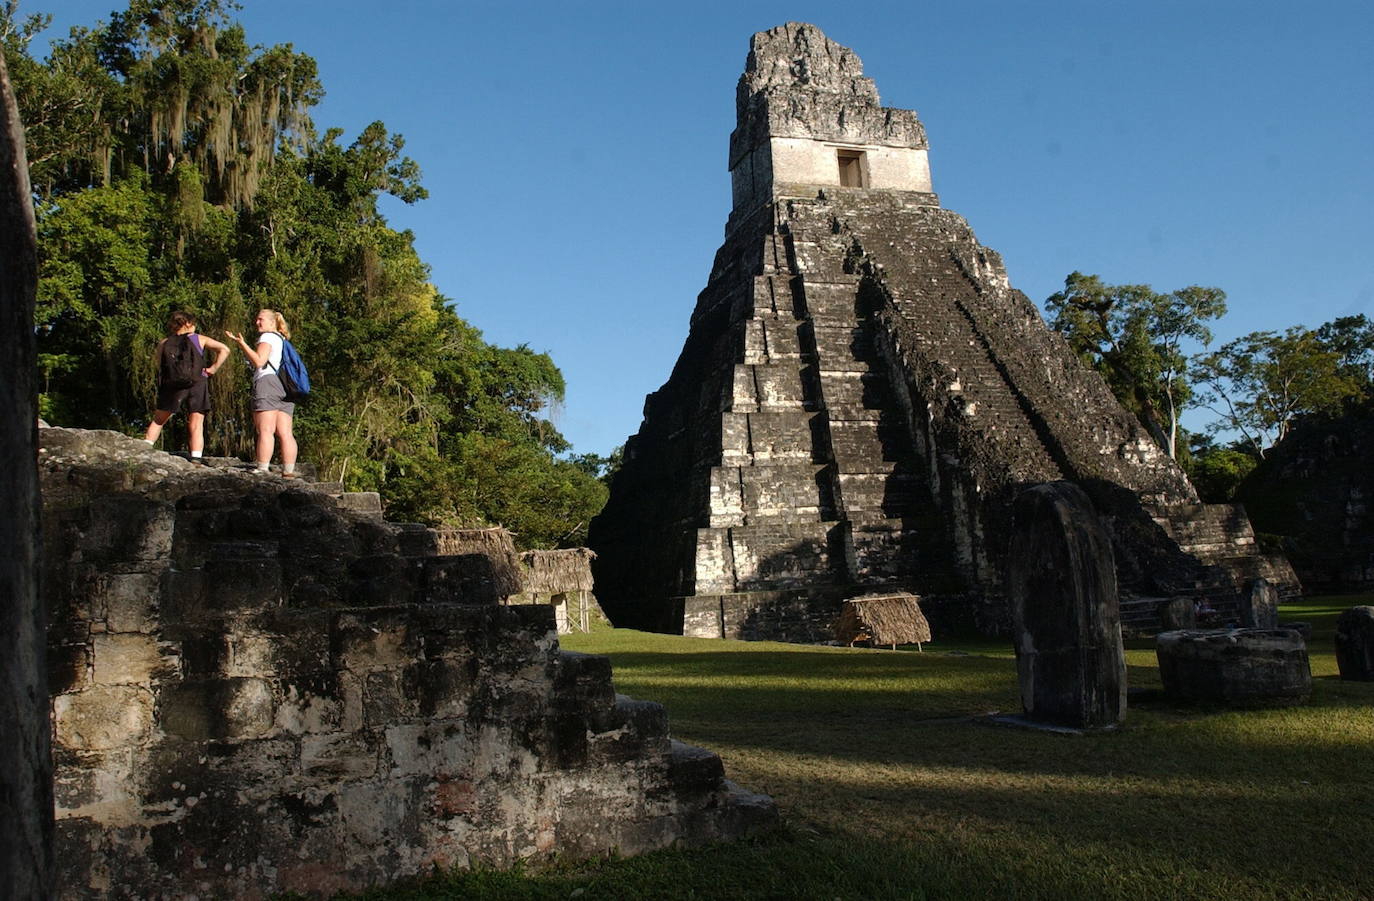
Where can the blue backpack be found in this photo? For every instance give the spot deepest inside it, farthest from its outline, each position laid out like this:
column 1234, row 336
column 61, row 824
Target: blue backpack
column 292, row 373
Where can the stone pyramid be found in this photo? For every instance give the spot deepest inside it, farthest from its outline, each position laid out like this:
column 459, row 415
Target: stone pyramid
column 862, row 394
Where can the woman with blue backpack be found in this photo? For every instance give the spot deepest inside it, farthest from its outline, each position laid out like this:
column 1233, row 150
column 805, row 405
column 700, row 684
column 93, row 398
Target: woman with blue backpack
column 272, row 411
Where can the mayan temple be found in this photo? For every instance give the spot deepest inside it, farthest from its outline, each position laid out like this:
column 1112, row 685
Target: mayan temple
column 862, row 394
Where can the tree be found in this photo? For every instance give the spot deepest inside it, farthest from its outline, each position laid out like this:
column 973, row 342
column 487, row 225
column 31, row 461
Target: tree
column 1352, row 338
column 1259, row 384
column 181, row 170
column 1135, row 337
column 1216, row 471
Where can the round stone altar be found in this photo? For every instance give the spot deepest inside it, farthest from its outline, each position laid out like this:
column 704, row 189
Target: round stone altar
column 1242, row 667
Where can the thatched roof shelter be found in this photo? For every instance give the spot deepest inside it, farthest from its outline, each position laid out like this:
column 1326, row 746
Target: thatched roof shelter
column 889, row 619
column 557, row 572
column 496, row 543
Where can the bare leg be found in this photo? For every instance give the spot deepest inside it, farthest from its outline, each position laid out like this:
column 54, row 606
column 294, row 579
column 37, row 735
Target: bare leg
column 196, row 424
column 265, row 422
column 160, row 418
column 287, row 439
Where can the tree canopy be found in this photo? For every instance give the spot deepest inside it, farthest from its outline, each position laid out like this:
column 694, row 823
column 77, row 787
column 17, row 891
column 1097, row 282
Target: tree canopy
column 1261, row 383
column 176, row 166
column 1135, row 336
column 1256, row 386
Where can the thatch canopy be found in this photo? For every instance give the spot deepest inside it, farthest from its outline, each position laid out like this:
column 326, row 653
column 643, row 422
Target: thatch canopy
column 890, row 619
column 495, row 543
column 557, row 572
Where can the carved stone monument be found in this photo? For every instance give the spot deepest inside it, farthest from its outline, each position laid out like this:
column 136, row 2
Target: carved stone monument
column 862, row 394
column 1259, row 605
column 1355, row 644
column 1062, row 582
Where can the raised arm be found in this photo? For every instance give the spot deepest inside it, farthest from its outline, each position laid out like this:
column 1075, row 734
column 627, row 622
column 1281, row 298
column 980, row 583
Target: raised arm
column 259, row 356
column 221, row 353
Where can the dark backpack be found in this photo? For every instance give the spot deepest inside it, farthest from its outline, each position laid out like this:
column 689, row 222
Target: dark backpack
column 179, row 363
column 292, row 373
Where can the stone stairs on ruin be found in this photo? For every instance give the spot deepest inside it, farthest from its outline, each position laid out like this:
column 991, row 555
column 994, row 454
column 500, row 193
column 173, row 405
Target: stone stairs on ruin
column 1220, row 535
column 772, row 511
column 931, row 294
column 364, row 503
column 815, row 482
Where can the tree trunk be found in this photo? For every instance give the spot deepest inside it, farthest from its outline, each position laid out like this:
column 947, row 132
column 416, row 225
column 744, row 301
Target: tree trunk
column 26, row 839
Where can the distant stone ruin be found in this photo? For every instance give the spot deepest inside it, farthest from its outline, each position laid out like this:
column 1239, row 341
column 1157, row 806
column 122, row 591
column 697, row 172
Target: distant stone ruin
column 861, row 396
column 260, row 686
column 1314, row 493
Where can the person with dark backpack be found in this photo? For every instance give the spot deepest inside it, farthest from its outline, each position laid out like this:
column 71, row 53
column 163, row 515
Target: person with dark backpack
column 183, row 379
column 274, row 406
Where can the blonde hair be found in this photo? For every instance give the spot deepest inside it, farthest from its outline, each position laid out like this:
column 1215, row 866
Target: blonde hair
column 281, row 328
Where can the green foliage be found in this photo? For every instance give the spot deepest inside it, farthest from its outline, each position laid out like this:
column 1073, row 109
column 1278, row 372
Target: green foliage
column 604, row 468
column 177, row 167
column 1352, row 338
column 1216, row 472
column 1261, row 383
column 1134, row 336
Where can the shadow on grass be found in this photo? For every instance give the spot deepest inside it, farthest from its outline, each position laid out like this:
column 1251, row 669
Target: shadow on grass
column 1182, row 798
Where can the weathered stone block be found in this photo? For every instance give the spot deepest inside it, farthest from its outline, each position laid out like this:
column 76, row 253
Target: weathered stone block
column 1234, row 666
column 361, row 640
column 339, row 756
column 104, row 783
column 435, row 749
column 1062, row 582
column 217, row 709
column 388, row 696
column 693, row 770
column 461, row 579
column 365, row 502
column 583, row 681
column 1355, row 644
column 311, row 704
column 127, row 528
column 701, row 616
column 129, row 601
column 131, row 658
column 175, row 772
column 384, row 580
column 790, row 491
column 103, row 717
column 222, row 588
column 442, row 688
column 283, row 643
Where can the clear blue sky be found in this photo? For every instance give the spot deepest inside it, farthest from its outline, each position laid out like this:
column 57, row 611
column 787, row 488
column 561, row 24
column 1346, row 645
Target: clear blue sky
column 575, row 152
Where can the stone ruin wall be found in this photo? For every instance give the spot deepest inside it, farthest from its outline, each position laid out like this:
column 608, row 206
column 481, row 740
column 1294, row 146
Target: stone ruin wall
column 258, row 690
column 859, row 399
column 1314, row 494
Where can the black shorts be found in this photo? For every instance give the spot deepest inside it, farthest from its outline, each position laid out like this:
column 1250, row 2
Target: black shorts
column 196, row 398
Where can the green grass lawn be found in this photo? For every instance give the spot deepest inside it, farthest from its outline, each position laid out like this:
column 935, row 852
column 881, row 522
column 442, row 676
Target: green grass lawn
column 892, row 785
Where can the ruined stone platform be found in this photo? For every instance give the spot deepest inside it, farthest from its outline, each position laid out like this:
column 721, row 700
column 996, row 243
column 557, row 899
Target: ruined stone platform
column 258, row 687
